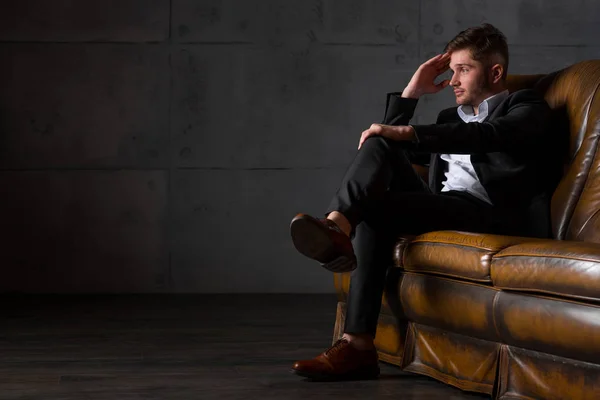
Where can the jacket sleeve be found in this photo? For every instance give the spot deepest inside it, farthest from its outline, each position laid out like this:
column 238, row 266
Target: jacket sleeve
column 399, row 111
column 523, row 125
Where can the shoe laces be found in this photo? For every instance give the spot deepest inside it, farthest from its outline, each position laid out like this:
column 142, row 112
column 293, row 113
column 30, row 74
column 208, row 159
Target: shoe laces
column 336, row 346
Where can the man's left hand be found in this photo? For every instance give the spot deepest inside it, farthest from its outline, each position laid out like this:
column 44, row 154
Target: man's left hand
column 398, row 133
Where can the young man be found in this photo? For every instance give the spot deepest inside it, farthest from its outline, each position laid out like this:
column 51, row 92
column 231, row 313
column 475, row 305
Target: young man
column 485, row 169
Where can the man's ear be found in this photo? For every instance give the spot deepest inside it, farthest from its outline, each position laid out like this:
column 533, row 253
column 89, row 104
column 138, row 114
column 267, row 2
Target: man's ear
column 497, row 72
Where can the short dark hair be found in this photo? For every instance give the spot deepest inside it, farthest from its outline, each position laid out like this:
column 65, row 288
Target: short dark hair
column 486, row 43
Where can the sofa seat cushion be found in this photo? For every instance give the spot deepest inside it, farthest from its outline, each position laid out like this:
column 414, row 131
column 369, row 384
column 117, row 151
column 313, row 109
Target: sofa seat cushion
column 456, row 254
column 565, row 268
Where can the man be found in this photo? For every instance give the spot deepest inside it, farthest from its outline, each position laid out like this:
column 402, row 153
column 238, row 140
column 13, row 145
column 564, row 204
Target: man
column 485, row 175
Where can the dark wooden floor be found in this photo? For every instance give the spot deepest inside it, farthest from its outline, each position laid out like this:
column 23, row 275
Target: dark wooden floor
column 179, row 347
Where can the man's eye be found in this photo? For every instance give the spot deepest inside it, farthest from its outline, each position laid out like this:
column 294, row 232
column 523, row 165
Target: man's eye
column 464, row 70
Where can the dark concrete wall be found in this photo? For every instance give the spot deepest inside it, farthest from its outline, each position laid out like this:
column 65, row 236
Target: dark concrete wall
column 164, row 145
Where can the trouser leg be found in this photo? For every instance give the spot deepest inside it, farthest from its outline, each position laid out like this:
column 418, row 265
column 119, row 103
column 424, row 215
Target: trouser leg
column 383, row 197
column 379, row 164
column 376, row 235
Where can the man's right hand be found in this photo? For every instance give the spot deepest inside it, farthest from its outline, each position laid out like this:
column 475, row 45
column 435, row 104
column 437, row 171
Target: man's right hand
column 423, row 81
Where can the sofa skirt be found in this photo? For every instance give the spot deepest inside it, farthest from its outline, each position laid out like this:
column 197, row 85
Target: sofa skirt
column 457, row 332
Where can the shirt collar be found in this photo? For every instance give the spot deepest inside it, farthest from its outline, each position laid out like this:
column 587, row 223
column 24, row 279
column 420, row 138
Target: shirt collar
column 486, row 107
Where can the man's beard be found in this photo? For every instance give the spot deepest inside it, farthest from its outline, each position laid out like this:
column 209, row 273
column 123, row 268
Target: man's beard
column 474, row 99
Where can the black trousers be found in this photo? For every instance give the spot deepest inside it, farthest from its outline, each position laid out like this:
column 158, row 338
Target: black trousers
column 382, row 197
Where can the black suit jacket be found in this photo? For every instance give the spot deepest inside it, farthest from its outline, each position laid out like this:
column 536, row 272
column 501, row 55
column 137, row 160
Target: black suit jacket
column 513, row 152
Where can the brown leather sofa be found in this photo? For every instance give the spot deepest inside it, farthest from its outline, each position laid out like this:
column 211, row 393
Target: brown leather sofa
column 512, row 317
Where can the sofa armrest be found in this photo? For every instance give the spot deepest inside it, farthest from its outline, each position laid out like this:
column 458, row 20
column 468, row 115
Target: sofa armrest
column 563, row 268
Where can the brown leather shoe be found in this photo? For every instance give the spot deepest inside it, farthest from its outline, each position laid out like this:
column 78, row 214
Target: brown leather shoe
column 340, row 362
column 324, row 241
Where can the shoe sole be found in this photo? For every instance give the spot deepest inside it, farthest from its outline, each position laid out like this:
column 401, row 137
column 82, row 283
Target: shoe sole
column 310, row 240
column 360, row 375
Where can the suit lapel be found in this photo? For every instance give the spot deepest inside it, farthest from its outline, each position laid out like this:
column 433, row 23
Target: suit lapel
column 437, row 166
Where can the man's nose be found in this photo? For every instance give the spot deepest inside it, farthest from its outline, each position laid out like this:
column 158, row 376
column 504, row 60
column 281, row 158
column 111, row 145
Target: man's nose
column 454, row 80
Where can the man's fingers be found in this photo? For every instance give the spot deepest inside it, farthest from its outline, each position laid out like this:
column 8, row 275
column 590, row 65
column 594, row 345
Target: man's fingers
column 362, row 139
column 442, row 84
column 434, row 59
column 376, row 128
column 443, row 69
column 442, row 56
column 443, row 60
column 443, row 63
column 366, row 134
column 438, row 62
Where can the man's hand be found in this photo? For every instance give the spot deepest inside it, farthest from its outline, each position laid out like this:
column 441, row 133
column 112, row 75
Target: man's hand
column 397, row 133
column 423, row 81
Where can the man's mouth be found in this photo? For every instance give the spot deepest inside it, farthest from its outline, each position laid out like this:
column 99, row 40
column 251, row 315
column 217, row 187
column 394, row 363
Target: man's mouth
column 458, row 92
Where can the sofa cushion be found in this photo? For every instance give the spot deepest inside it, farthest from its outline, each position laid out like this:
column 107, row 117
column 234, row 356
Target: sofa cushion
column 565, row 268
column 451, row 253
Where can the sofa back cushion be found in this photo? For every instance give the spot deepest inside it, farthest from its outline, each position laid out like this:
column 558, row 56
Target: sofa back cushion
column 573, row 93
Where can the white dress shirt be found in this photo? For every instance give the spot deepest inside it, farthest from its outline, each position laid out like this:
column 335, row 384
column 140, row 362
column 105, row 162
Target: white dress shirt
column 461, row 174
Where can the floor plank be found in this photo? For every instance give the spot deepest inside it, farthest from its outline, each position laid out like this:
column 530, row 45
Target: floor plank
column 179, row 347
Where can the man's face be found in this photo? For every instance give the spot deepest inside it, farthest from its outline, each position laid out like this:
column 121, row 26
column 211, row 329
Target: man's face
column 469, row 78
